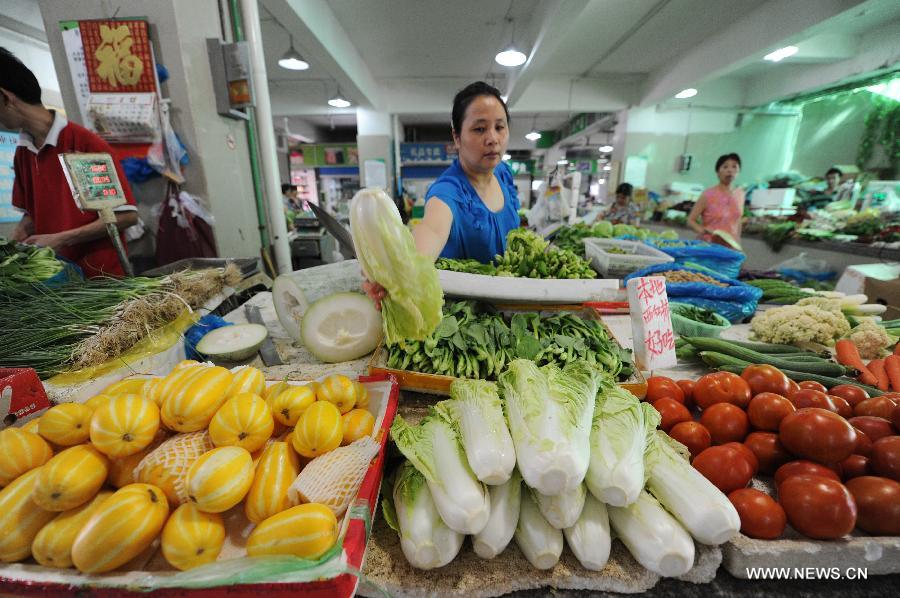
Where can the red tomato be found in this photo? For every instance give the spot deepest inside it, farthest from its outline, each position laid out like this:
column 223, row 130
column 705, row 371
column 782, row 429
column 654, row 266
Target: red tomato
column 721, row 387
column 793, row 389
column 875, row 428
column 663, row 387
column 878, row 503
column 769, row 452
column 766, row 410
column 761, row 517
column 692, row 435
column 843, row 407
column 817, row 507
column 672, row 412
column 725, row 422
column 895, row 416
column 849, row 392
column 801, row 467
column 725, row 467
column 687, row 387
column 885, row 458
column 863, row 444
column 807, row 397
column 811, row 385
column 766, row 378
column 854, row 466
column 818, row 435
column 747, row 454
column 882, row 407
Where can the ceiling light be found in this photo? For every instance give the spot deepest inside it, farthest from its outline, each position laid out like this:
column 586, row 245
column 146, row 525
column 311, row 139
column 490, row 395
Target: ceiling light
column 507, row 157
column 562, row 162
column 601, row 181
column 607, row 167
column 606, row 148
column 536, row 184
column 505, row 98
column 510, row 57
column 781, row 53
column 339, row 102
column 292, row 60
column 686, row 93
column 533, row 136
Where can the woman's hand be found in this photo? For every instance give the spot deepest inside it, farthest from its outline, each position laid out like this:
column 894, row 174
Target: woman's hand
column 375, row 292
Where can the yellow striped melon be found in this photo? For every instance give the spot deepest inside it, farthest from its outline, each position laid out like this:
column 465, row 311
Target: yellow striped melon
column 192, row 538
column 290, row 404
column 71, row 478
column 339, row 390
column 220, row 479
column 276, row 470
column 195, row 402
column 362, row 395
column 318, row 431
column 21, row 451
column 356, row 424
column 184, row 363
column 125, row 425
column 247, row 379
column 167, row 464
column 306, row 531
column 66, row 424
column 124, row 526
column 168, row 384
column 52, row 547
column 274, row 390
column 33, row 426
column 244, row 420
column 150, row 390
column 127, row 386
column 122, row 471
column 96, row 401
column 20, row 518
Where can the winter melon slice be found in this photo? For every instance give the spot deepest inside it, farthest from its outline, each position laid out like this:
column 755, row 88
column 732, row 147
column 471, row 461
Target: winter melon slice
column 233, row 343
column 290, row 304
column 341, row 327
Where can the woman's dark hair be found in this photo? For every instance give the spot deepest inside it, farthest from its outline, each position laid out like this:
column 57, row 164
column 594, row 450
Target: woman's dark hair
column 286, row 187
column 467, row 95
column 725, row 158
column 624, row 189
column 18, row 79
column 834, row 170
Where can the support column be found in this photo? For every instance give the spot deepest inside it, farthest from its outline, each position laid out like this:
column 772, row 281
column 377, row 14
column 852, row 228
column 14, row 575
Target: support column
column 373, row 138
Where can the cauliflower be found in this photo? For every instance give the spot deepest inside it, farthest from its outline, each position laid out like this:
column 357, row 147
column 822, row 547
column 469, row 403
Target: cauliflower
column 832, row 305
column 800, row 323
column 870, row 338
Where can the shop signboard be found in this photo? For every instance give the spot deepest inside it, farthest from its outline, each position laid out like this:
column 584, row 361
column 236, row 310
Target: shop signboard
column 413, row 153
column 522, row 166
column 315, row 155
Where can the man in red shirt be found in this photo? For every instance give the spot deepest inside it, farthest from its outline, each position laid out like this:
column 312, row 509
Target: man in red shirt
column 52, row 217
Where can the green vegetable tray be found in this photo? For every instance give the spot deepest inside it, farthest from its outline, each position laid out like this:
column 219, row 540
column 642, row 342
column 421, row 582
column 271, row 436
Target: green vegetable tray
column 617, row 265
column 685, row 326
column 436, row 384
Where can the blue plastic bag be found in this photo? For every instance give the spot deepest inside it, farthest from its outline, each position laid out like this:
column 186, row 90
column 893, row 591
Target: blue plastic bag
column 71, row 272
column 206, row 324
column 736, row 301
column 709, row 255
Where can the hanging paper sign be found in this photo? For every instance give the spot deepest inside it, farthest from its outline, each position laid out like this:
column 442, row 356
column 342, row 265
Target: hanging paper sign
column 118, row 56
column 654, row 339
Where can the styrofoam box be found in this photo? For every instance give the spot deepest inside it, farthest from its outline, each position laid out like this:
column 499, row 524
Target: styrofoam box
column 617, row 265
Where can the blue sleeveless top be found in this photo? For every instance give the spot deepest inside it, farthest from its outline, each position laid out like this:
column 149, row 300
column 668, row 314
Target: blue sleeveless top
column 476, row 232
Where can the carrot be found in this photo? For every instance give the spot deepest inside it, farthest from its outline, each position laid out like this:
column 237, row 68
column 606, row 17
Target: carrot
column 892, row 367
column 847, row 354
column 897, row 349
column 876, row 366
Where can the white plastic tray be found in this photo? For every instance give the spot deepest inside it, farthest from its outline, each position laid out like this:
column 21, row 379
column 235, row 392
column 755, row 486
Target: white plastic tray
column 640, row 255
column 507, row 289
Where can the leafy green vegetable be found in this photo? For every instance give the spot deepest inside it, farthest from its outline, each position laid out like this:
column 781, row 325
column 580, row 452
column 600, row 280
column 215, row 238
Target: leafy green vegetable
column 24, row 264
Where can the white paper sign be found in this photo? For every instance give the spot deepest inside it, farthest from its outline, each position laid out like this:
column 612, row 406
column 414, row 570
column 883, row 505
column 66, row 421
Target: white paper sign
column 651, row 324
column 75, row 55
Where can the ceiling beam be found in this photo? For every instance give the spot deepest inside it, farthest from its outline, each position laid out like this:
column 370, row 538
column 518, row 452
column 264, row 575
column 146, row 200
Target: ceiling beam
column 772, row 25
column 555, row 20
column 321, row 36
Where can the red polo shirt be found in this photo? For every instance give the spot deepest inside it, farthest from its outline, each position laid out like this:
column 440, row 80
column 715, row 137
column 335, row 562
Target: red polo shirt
column 41, row 190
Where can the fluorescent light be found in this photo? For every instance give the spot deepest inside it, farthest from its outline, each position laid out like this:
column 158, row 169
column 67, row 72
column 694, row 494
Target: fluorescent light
column 595, row 189
column 601, row 181
column 607, row 167
column 505, row 98
column 562, row 162
column 686, row 93
column 510, row 57
column 536, row 184
column 338, row 102
column 606, row 148
column 506, row 156
column 533, row 136
column 888, row 90
column 780, row 54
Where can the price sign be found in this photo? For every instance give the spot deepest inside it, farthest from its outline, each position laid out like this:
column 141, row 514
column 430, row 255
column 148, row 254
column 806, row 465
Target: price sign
column 654, row 339
column 93, row 180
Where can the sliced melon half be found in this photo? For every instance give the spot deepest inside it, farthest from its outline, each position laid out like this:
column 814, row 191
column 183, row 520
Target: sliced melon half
column 341, row 327
column 233, row 343
column 290, row 304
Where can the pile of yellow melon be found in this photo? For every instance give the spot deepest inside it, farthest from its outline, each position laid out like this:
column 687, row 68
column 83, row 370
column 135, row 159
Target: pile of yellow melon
column 197, row 441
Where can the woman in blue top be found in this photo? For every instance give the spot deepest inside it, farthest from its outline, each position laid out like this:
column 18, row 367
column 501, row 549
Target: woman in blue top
column 471, row 207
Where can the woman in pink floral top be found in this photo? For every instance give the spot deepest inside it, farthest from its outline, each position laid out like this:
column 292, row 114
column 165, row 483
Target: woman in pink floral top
column 722, row 206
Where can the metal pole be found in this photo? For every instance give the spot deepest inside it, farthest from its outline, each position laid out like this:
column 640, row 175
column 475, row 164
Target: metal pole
column 109, row 219
column 267, row 145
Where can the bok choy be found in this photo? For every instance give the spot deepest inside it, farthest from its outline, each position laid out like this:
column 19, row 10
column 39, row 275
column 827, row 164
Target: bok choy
column 434, row 449
column 589, row 539
column 506, row 500
column 540, row 542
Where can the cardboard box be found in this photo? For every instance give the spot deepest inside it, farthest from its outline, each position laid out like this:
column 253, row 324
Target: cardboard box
column 886, row 292
column 853, row 280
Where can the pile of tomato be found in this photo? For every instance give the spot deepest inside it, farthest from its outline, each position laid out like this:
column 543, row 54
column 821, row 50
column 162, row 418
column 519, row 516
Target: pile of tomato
column 834, row 454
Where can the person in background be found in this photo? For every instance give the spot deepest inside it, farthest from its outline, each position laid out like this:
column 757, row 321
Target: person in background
column 51, row 217
column 624, row 210
column 833, row 181
column 289, row 197
column 720, row 207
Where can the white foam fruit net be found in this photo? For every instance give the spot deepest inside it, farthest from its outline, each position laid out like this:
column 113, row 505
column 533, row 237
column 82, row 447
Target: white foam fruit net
column 170, row 461
column 333, row 479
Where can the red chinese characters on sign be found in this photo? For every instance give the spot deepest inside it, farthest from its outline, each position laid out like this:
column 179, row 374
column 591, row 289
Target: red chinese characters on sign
column 654, row 340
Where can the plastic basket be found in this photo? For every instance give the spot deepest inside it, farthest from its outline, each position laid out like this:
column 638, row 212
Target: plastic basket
column 687, row 327
column 618, row 265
